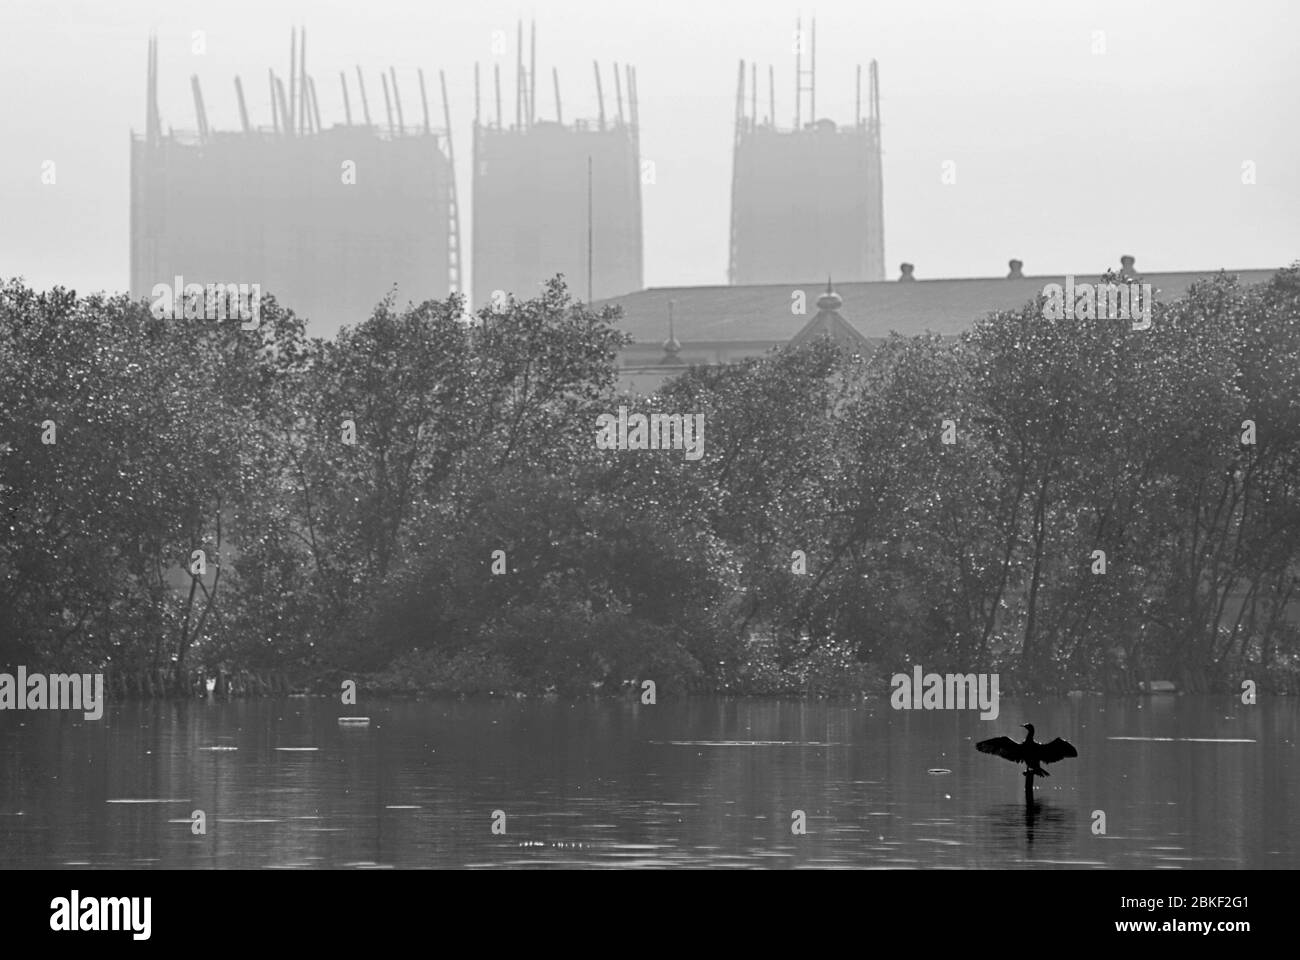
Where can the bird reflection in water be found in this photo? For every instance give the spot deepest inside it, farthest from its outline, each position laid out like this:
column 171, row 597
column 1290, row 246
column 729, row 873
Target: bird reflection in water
column 1048, row 824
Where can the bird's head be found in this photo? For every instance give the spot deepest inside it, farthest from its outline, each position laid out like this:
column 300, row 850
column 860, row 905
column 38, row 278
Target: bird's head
column 1029, row 727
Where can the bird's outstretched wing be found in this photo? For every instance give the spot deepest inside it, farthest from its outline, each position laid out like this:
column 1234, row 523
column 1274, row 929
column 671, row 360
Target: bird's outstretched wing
column 1003, row 747
column 1058, row 749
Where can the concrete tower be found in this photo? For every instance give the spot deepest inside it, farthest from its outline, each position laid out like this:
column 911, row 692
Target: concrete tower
column 806, row 201
column 326, row 219
column 554, row 198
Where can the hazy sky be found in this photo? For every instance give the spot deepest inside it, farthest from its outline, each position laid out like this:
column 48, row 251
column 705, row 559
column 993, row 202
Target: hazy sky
column 1063, row 157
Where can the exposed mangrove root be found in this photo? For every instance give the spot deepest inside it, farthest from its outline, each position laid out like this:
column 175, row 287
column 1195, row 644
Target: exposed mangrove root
column 201, row 683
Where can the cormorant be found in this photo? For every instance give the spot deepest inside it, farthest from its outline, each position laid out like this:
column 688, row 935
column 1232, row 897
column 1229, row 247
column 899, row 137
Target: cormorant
column 1029, row 751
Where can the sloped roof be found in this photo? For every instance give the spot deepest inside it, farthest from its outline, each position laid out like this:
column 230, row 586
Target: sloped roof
column 762, row 311
column 828, row 323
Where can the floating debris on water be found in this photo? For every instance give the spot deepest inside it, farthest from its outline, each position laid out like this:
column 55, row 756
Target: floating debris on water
column 1158, row 686
column 151, row 800
column 1184, row 739
column 744, row 743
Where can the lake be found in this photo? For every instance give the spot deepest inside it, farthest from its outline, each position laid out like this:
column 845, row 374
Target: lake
column 1183, row 783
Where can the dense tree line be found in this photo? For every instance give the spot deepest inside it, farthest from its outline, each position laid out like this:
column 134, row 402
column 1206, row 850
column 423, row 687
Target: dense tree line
column 420, row 501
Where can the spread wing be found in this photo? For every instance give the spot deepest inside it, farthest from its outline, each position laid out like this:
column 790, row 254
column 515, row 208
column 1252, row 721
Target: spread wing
column 1003, row 747
column 1058, row 749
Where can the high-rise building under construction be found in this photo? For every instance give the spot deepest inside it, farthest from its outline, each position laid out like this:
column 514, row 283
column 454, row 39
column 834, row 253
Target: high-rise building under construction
column 329, row 220
column 805, row 202
column 554, row 198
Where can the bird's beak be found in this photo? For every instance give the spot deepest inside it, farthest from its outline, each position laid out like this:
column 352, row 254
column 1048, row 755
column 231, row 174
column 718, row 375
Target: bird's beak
column 1024, row 726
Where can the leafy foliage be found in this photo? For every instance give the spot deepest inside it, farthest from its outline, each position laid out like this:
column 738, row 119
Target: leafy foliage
column 475, row 435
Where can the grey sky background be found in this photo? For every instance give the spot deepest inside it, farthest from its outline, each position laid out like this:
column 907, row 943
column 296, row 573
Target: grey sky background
column 1064, row 158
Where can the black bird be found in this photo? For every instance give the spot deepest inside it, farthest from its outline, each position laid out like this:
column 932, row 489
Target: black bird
column 1029, row 751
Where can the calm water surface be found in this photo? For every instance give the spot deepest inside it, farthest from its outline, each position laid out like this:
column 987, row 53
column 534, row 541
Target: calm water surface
column 701, row 782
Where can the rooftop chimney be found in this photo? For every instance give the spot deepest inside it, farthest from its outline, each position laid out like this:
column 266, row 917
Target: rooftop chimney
column 907, row 269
